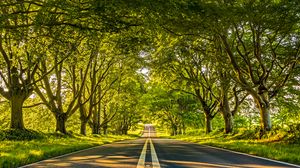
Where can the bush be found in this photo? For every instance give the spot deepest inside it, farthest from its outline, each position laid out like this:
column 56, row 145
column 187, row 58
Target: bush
column 294, row 133
column 245, row 134
column 19, row 135
column 195, row 132
column 219, row 131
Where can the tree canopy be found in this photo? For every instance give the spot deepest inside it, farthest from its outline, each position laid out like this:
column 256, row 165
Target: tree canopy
column 109, row 65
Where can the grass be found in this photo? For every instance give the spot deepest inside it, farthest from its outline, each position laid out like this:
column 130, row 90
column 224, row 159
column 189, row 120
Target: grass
column 270, row 147
column 14, row 153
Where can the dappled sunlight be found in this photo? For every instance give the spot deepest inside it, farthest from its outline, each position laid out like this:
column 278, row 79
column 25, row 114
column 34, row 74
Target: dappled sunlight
column 112, row 155
column 2, row 154
column 62, row 164
column 84, row 157
column 36, row 152
column 118, row 157
column 55, row 165
column 72, row 72
column 21, row 155
column 90, row 161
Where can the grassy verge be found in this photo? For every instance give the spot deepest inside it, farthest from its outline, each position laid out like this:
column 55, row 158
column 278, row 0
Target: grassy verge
column 269, row 148
column 21, row 152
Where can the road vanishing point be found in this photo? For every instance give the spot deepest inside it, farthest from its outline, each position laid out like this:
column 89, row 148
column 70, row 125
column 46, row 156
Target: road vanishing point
column 152, row 152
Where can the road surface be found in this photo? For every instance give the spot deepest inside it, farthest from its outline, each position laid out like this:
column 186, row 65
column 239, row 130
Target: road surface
column 150, row 151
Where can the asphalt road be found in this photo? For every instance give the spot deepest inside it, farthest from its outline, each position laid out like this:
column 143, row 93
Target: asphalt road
column 150, row 151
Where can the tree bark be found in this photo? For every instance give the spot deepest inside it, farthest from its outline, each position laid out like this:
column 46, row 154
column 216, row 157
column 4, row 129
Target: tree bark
column 174, row 130
column 97, row 116
column 83, row 127
column 16, row 104
column 105, row 129
column 95, row 128
column 96, row 122
column 124, row 131
column 226, row 113
column 228, row 121
column 208, row 124
column 263, row 104
column 208, row 105
column 61, row 123
column 183, row 129
column 265, row 119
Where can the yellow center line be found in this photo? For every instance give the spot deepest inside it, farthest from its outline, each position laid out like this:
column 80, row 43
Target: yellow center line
column 141, row 163
column 155, row 162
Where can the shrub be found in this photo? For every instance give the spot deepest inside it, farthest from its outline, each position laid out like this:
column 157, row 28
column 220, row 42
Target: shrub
column 19, row 135
column 245, row 134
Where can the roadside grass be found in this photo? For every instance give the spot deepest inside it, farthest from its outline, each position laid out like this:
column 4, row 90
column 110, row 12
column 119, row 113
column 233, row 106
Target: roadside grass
column 14, row 153
column 271, row 147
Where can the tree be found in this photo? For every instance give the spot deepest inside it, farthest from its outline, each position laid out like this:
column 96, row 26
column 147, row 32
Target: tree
column 129, row 93
column 263, row 47
column 21, row 53
column 176, row 110
column 101, row 78
column 108, row 80
column 58, row 91
column 193, row 69
column 261, row 41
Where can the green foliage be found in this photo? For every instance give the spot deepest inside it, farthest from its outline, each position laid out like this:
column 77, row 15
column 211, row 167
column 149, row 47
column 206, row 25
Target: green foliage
column 293, row 133
column 174, row 110
column 128, row 114
column 243, row 133
column 4, row 115
column 91, row 55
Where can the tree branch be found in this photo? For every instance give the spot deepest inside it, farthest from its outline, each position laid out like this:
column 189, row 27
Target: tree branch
column 34, row 105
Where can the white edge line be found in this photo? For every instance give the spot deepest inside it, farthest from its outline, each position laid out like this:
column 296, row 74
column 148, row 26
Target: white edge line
column 258, row 157
column 67, row 154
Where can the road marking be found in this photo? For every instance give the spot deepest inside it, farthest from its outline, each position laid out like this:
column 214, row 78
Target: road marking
column 141, row 163
column 155, row 162
column 149, row 132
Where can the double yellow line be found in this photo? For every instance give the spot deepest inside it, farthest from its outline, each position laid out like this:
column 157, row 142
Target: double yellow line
column 155, row 162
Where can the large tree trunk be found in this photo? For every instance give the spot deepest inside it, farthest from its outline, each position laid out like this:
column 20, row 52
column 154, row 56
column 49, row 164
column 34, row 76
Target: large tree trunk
column 208, row 123
column 16, row 104
column 95, row 123
column 83, row 127
column 105, row 129
column 125, row 131
column 226, row 113
column 61, row 120
column 96, row 119
column 265, row 119
column 174, row 129
column 183, row 129
column 266, row 124
column 228, row 121
column 83, row 118
column 263, row 104
column 96, row 128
